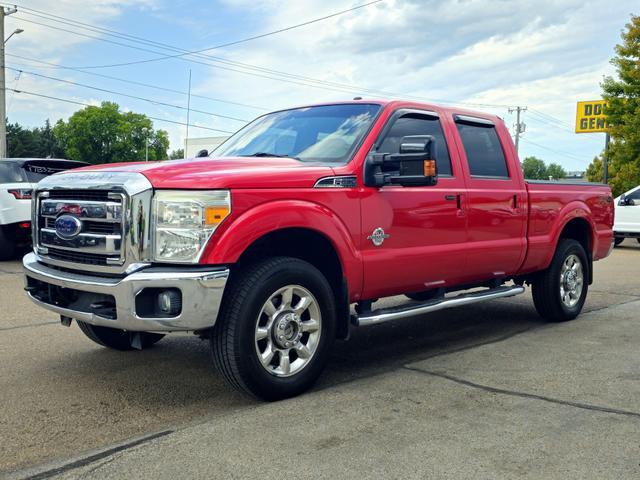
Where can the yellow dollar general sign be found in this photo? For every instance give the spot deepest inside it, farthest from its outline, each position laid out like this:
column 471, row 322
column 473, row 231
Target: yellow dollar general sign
column 591, row 117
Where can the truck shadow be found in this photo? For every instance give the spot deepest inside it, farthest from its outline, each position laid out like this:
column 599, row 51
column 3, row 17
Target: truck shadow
column 178, row 372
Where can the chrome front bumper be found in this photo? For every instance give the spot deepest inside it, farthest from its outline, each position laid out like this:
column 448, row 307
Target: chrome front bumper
column 201, row 295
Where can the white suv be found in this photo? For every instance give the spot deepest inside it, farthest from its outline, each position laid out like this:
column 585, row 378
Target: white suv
column 18, row 176
column 627, row 216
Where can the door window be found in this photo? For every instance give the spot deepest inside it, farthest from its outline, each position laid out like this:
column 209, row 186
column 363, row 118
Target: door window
column 416, row 124
column 634, row 195
column 485, row 156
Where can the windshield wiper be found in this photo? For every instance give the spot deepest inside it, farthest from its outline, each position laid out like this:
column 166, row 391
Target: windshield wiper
column 267, row 154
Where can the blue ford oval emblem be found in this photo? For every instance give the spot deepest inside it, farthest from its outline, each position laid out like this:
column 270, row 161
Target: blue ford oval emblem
column 68, row 226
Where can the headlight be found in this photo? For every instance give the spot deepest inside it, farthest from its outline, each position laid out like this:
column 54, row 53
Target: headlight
column 183, row 222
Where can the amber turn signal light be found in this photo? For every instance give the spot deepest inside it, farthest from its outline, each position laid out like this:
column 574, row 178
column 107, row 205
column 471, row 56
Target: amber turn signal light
column 429, row 168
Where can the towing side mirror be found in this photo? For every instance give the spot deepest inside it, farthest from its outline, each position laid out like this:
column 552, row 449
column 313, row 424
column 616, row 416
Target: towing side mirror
column 413, row 165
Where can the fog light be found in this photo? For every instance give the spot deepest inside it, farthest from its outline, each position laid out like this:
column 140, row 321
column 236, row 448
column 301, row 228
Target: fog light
column 170, row 302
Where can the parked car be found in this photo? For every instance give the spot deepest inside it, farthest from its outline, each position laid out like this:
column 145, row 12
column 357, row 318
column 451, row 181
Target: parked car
column 18, row 176
column 627, row 216
column 302, row 213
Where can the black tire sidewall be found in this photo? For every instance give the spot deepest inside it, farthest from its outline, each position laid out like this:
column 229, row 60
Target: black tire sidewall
column 7, row 247
column 254, row 375
column 570, row 247
column 117, row 339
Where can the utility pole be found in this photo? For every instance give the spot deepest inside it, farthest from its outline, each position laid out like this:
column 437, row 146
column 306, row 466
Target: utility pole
column 519, row 126
column 605, row 159
column 4, row 11
column 146, row 132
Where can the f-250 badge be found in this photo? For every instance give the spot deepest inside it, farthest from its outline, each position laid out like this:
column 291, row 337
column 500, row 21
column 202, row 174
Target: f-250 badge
column 378, row 237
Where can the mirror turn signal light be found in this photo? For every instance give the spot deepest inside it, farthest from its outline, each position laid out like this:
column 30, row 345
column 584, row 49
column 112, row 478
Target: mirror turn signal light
column 429, row 168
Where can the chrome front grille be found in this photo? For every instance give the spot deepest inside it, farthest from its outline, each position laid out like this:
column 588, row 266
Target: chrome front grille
column 110, row 215
column 99, row 239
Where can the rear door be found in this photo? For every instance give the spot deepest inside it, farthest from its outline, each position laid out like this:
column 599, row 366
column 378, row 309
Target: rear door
column 423, row 229
column 497, row 199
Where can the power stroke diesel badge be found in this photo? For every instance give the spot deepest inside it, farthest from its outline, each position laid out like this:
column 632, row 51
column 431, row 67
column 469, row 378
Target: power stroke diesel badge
column 378, row 237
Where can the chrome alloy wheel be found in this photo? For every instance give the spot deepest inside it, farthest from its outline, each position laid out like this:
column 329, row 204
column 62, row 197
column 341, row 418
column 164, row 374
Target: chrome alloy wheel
column 288, row 330
column 571, row 280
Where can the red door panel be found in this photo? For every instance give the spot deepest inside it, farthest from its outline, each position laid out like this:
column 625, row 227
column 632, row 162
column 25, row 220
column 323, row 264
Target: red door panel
column 426, row 243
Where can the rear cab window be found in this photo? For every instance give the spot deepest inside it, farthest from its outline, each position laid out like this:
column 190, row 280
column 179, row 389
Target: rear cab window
column 482, row 146
column 417, row 123
column 11, row 172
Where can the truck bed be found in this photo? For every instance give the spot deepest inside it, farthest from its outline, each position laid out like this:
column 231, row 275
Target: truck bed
column 549, row 200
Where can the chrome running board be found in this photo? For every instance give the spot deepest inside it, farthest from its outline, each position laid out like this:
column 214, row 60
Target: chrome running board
column 404, row 311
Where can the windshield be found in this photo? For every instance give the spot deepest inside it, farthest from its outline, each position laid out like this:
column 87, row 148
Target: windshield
column 328, row 133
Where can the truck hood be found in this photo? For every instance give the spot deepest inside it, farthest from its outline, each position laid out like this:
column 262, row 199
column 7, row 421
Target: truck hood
column 228, row 172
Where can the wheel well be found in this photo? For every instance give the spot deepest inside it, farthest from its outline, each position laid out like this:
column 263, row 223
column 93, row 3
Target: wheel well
column 579, row 230
column 312, row 247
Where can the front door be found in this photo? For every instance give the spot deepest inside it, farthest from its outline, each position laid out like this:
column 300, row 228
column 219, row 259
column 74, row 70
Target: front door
column 413, row 238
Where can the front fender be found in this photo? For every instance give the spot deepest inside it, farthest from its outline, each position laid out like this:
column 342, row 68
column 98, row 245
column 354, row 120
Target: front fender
column 269, row 217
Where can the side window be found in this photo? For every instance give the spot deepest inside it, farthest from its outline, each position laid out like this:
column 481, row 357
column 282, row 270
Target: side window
column 415, row 124
column 634, row 195
column 484, row 151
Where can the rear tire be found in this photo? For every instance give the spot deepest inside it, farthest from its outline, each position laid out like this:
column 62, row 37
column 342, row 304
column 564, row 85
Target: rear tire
column 117, row 339
column 560, row 291
column 275, row 329
column 7, row 247
column 618, row 240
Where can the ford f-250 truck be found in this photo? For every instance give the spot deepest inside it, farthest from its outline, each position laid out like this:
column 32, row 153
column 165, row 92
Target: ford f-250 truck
column 264, row 247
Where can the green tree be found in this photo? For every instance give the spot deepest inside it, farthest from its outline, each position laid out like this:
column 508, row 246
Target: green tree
column 104, row 134
column 555, row 171
column 534, row 168
column 623, row 112
column 177, row 154
column 595, row 171
column 35, row 142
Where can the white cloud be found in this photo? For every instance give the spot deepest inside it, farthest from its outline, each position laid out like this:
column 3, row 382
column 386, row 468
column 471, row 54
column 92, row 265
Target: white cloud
column 545, row 54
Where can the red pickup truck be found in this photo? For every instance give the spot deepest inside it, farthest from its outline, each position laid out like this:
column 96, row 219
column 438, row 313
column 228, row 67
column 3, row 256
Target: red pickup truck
column 264, row 246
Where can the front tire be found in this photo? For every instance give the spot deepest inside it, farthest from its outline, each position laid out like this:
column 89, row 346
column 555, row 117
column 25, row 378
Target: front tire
column 275, row 329
column 560, row 291
column 117, row 339
column 618, row 240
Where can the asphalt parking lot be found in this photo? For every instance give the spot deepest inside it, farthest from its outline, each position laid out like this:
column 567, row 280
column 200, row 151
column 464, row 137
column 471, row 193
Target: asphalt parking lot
column 488, row 391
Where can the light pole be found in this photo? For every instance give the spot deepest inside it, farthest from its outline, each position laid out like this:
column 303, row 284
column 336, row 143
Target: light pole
column 146, row 132
column 4, row 11
column 15, row 32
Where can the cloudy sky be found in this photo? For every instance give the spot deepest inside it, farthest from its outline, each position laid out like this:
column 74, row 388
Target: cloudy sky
column 485, row 55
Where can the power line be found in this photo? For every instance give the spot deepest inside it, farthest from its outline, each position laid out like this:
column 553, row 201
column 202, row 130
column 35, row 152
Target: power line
column 209, row 64
column 66, row 100
column 558, row 152
column 561, row 126
column 289, row 78
column 164, row 46
column 113, row 92
column 132, row 82
column 243, row 40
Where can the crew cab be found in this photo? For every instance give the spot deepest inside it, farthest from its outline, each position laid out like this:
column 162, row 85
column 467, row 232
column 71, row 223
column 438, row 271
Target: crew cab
column 17, row 179
column 264, row 247
column 627, row 215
